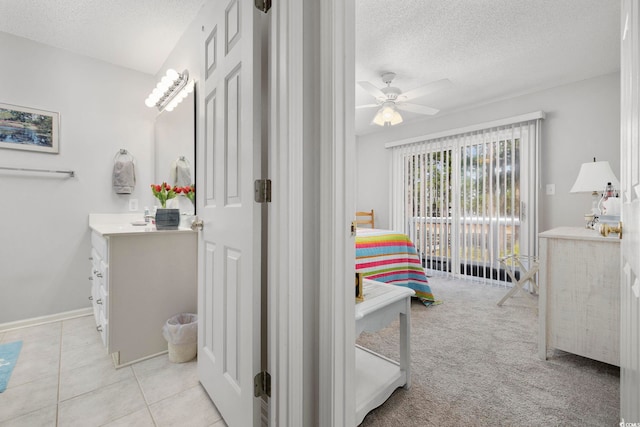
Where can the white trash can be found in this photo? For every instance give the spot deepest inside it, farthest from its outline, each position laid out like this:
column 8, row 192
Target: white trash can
column 181, row 333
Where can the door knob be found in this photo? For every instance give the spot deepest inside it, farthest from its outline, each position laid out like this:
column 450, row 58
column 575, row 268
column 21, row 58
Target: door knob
column 605, row 229
column 197, row 224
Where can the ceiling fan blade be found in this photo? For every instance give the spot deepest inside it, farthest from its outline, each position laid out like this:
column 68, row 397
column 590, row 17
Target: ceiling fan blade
column 374, row 91
column 415, row 108
column 367, row 106
column 425, row 90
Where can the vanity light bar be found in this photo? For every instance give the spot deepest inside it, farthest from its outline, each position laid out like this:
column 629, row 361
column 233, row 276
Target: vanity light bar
column 169, row 91
column 177, row 99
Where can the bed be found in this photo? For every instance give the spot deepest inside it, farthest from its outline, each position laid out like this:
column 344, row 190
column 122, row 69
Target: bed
column 390, row 257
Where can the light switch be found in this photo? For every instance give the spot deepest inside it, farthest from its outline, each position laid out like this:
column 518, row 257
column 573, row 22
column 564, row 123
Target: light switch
column 133, row 205
column 551, row 189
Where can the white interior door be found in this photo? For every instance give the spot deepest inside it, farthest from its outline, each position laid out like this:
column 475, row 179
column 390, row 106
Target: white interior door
column 229, row 244
column 630, row 182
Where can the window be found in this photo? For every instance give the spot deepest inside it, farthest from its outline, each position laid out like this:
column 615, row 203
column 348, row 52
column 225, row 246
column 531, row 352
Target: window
column 468, row 197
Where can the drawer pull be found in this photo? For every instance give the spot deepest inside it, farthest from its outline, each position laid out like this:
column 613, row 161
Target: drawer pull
column 99, row 274
column 90, row 298
column 90, row 277
column 96, row 271
column 90, row 258
column 99, row 328
column 99, row 301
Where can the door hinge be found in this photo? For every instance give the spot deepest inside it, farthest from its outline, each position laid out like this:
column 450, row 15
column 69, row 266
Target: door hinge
column 262, row 384
column 263, row 5
column 262, row 189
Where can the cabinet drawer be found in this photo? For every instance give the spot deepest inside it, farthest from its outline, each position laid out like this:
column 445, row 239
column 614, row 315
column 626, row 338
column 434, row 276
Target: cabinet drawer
column 103, row 328
column 99, row 243
column 95, row 258
column 103, row 302
column 101, row 275
column 95, row 294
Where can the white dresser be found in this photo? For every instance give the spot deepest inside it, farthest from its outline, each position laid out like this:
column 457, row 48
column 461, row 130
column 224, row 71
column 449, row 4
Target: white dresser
column 579, row 304
column 140, row 278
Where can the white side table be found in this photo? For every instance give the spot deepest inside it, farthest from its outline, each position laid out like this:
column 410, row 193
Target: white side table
column 377, row 376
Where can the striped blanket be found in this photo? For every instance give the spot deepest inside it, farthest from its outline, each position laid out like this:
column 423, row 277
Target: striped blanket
column 390, row 257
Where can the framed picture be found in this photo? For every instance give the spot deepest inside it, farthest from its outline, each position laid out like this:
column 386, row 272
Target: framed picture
column 23, row 128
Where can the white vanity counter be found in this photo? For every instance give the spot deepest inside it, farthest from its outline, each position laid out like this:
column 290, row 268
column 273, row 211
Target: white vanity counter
column 111, row 224
column 140, row 278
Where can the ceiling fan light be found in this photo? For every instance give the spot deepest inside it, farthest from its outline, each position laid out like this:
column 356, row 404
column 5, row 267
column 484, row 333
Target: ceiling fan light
column 378, row 119
column 388, row 113
column 387, row 116
column 396, row 119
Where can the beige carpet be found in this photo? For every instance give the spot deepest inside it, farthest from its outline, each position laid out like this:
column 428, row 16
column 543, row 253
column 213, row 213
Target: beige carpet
column 476, row 364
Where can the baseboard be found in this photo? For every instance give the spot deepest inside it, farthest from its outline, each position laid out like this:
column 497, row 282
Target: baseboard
column 34, row 321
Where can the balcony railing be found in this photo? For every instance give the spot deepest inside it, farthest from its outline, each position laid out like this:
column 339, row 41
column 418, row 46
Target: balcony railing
column 474, row 243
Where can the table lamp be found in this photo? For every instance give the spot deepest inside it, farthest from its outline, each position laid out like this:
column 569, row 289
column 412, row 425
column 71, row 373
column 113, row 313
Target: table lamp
column 593, row 178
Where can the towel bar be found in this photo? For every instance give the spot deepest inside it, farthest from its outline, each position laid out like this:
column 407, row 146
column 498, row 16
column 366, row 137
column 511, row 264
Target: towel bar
column 70, row 173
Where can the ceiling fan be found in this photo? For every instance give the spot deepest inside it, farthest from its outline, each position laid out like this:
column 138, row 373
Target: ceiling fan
column 390, row 99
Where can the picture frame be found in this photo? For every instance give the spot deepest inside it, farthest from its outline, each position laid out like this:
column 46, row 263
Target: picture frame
column 30, row 129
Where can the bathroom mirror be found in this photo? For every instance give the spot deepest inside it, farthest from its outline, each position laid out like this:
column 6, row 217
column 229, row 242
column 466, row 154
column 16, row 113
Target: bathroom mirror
column 175, row 139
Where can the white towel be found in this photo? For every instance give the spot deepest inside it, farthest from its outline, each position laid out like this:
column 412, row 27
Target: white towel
column 181, row 172
column 124, row 176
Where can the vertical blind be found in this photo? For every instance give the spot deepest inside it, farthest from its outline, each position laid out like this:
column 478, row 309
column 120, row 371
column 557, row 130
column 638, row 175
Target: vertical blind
column 466, row 199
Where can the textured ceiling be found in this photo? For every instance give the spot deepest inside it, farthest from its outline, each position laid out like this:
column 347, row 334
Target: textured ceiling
column 137, row 34
column 489, row 49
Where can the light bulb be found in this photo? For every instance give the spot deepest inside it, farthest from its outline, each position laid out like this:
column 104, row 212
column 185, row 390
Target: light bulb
column 163, row 86
column 396, row 119
column 157, row 92
column 172, row 74
column 149, row 102
column 378, row 120
column 387, row 114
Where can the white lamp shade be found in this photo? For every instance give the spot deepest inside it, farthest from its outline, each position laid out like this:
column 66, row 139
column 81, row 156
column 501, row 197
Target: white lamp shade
column 387, row 115
column 594, row 176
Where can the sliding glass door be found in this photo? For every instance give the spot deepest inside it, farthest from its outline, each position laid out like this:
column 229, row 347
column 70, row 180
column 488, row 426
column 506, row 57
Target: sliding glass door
column 468, row 200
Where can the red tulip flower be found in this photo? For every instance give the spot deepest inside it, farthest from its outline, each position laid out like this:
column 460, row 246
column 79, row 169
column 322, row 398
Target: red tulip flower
column 163, row 193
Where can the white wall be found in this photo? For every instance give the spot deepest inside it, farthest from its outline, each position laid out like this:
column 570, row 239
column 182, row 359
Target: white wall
column 44, row 234
column 583, row 121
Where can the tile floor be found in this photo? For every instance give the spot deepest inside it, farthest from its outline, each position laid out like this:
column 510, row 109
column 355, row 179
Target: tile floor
column 64, row 377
